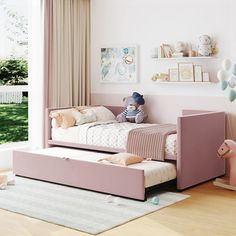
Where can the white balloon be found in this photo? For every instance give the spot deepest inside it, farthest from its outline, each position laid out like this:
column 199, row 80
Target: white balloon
column 222, row 75
column 226, row 64
column 231, row 82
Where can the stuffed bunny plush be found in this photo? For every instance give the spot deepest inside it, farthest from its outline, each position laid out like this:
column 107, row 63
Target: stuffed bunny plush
column 133, row 109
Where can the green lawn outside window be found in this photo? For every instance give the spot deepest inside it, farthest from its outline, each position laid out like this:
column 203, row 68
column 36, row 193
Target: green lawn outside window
column 14, row 122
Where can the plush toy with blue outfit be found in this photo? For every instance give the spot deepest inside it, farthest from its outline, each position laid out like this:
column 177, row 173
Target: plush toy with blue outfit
column 134, row 109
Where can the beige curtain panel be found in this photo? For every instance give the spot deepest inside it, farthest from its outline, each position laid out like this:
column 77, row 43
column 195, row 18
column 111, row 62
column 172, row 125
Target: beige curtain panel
column 68, row 75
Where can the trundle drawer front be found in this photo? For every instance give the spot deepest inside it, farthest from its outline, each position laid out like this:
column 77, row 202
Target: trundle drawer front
column 116, row 180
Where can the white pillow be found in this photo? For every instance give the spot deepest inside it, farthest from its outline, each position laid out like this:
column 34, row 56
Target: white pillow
column 86, row 116
column 102, row 113
column 54, row 123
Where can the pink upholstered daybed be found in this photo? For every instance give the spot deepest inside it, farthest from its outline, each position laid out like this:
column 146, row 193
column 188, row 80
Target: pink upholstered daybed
column 194, row 159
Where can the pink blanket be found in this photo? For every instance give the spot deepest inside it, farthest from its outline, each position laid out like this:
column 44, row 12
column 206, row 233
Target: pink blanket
column 149, row 142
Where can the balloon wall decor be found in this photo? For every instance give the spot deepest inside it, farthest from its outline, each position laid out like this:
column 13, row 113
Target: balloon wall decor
column 227, row 78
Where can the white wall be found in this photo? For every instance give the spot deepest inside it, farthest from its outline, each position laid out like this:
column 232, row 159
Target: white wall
column 148, row 23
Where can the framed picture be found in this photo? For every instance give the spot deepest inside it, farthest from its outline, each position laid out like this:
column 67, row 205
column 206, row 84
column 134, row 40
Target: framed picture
column 186, row 72
column 167, row 50
column 197, row 73
column 205, row 77
column 173, row 74
column 119, row 64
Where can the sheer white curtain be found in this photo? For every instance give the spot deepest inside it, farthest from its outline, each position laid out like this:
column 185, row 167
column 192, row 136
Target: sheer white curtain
column 68, row 53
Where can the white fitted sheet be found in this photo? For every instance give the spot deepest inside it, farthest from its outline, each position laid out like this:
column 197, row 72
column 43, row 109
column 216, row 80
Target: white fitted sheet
column 106, row 134
column 155, row 172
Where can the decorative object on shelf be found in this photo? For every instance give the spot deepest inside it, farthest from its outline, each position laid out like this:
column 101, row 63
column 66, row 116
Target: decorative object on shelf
column 197, row 73
column 186, row 72
column 167, row 50
column 191, row 52
column 173, row 74
column 214, row 48
column 180, row 49
column 227, row 78
column 160, row 77
column 119, row 64
column 205, row 77
column 161, row 52
column 204, row 45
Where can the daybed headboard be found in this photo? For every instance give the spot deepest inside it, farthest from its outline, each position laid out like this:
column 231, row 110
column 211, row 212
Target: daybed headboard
column 115, row 109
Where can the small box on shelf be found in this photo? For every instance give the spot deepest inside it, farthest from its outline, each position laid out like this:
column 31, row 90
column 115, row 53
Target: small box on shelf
column 205, row 77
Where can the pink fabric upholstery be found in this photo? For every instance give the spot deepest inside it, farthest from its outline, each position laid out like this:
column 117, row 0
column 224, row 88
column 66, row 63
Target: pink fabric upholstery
column 122, row 181
column 200, row 133
column 199, row 137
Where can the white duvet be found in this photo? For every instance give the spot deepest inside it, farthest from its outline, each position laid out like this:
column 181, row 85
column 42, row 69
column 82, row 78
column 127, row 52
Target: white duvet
column 106, row 134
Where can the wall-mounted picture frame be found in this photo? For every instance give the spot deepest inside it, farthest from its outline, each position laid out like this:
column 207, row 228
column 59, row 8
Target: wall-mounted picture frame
column 205, row 77
column 119, row 64
column 186, row 72
column 197, row 73
column 173, row 75
column 167, row 50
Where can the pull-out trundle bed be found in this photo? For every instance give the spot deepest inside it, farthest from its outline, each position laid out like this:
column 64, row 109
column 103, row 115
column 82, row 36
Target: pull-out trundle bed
column 199, row 134
column 79, row 168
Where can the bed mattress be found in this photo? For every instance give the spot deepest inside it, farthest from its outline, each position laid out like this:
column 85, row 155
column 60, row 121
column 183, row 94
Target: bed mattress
column 106, row 134
column 155, row 172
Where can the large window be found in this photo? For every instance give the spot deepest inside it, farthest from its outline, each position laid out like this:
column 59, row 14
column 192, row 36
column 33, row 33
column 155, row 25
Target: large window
column 13, row 71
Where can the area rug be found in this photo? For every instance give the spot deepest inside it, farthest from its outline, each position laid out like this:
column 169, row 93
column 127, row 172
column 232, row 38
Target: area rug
column 78, row 209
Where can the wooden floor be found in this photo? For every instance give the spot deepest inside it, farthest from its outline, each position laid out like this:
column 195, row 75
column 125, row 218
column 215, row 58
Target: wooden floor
column 209, row 211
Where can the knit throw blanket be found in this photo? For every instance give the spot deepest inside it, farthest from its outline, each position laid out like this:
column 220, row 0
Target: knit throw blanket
column 149, row 142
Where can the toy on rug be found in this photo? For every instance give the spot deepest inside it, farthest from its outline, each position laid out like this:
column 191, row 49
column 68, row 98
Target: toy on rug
column 228, row 150
column 6, row 180
column 155, row 200
column 133, row 109
column 110, row 199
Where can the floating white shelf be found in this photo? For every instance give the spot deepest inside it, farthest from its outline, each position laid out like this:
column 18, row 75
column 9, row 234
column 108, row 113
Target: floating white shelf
column 180, row 82
column 181, row 58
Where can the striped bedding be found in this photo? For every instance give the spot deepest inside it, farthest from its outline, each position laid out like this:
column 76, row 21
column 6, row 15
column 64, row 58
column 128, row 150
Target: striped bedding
column 142, row 140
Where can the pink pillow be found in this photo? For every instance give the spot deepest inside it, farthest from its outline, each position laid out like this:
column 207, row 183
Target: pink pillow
column 123, row 159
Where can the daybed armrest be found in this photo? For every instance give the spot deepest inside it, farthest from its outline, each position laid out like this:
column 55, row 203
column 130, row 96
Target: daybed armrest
column 199, row 137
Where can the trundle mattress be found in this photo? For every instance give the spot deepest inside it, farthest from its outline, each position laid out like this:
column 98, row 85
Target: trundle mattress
column 155, row 172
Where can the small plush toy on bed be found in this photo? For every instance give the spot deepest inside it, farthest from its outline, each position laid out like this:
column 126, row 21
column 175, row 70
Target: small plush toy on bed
column 133, row 109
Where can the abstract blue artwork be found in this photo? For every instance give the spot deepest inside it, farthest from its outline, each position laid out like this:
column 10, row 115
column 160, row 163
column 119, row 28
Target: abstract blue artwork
column 119, row 64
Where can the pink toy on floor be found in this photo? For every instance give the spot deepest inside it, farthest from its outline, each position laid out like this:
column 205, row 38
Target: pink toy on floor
column 228, row 150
